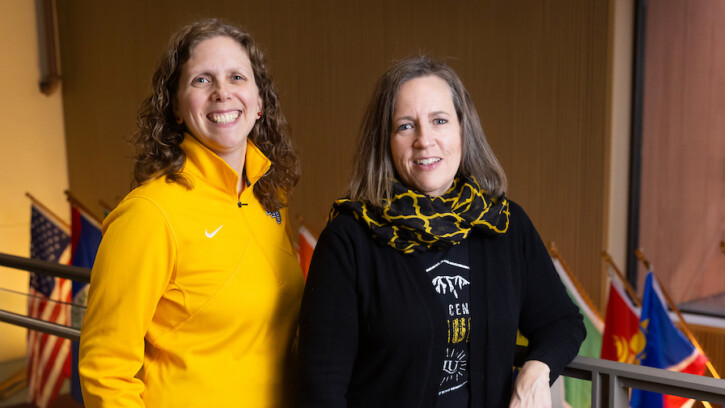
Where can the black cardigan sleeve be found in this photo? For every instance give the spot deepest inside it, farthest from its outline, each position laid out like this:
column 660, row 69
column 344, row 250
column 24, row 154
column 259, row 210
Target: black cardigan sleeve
column 328, row 323
column 549, row 319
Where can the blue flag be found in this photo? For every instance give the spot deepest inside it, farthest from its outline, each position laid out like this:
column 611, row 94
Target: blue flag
column 85, row 239
column 666, row 348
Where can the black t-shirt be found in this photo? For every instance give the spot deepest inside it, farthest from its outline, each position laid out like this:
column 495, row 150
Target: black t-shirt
column 449, row 273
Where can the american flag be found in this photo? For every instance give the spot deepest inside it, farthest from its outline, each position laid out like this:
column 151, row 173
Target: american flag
column 49, row 300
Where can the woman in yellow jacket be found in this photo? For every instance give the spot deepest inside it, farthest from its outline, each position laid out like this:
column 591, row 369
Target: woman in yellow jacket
column 195, row 290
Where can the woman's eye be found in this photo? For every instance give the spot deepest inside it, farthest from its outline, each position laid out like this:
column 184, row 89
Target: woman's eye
column 237, row 77
column 440, row 121
column 201, row 80
column 404, row 126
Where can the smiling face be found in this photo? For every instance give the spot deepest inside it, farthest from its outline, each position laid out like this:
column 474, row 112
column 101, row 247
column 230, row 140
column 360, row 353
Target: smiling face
column 218, row 99
column 425, row 140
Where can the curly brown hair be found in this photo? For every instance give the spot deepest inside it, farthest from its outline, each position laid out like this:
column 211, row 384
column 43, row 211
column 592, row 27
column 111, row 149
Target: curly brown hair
column 374, row 170
column 158, row 138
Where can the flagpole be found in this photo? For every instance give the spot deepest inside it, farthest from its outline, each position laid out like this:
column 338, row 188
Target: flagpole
column 50, row 212
column 75, row 202
column 554, row 251
column 630, row 290
column 107, row 208
column 671, row 304
column 301, row 221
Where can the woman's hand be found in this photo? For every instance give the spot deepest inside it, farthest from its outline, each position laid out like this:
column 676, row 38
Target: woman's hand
column 531, row 389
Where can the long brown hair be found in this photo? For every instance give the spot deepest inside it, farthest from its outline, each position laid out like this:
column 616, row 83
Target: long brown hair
column 158, row 138
column 374, row 170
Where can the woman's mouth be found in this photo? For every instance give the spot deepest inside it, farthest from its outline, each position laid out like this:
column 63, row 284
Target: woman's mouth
column 223, row 118
column 429, row 161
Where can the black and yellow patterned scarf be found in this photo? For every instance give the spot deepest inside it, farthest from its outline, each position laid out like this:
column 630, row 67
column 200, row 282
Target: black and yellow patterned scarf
column 412, row 221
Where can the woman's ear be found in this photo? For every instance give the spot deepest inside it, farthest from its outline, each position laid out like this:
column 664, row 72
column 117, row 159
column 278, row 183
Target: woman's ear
column 260, row 109
column 177, row 116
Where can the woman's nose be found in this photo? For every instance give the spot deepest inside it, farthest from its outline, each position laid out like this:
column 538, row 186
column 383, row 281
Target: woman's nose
column 423, row 137
column 221, row 92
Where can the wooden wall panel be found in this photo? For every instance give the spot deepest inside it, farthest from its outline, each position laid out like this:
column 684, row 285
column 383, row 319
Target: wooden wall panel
column 683, row 164
column 712, row 341
column 537, row 72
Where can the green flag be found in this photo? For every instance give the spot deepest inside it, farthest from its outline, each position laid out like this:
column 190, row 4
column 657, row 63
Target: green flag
column 578, row 393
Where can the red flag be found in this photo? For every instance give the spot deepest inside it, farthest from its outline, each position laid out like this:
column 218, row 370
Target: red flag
column 307, row 243
column 622, row 339
column 695, row 364
column 49, row 297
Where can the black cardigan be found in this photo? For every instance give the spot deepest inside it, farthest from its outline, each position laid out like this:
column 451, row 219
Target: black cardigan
column 373, row 332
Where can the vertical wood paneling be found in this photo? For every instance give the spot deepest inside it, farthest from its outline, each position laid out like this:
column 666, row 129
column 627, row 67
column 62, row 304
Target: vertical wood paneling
column 537, row 72
column 712, row 341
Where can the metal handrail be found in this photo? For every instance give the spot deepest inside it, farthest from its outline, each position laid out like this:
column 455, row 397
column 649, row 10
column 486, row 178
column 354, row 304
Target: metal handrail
column 40, row 325
column 75, row 273
column 617, row 378
column 612, row 380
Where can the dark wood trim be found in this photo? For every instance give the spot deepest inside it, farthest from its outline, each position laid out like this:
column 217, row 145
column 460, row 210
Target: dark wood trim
column 50, row 82
column 635, row 168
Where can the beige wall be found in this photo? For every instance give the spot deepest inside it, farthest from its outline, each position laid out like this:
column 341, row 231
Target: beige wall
column 33, row 156
column 538, row 73
column 622, row 59
column 683, row 147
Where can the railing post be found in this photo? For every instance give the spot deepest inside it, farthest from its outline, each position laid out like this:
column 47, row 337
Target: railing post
column 596, row 389
column 618, row 394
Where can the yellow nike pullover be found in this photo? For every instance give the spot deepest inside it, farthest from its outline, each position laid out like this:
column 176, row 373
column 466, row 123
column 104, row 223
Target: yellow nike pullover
column 194, row 295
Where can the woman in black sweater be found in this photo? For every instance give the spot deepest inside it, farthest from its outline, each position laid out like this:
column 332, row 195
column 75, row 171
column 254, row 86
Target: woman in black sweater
column 426, row 270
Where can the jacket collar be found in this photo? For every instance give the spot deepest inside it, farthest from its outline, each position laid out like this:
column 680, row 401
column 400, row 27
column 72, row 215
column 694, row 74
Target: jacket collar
column 206, row 165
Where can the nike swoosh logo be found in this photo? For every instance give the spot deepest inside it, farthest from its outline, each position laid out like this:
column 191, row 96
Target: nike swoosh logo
column 211, row 234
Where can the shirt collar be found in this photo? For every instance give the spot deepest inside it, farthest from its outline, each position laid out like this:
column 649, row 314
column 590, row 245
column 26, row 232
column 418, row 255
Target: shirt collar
column 205, row 164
